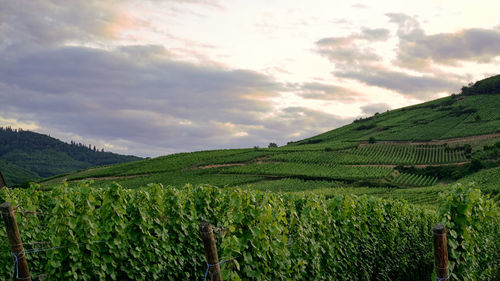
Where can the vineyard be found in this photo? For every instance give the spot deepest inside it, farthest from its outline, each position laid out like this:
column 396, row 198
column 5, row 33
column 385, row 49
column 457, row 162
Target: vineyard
column 325, row 171
column 364, row 169
column 410, row 154
column 404, row 179
column 84, row 233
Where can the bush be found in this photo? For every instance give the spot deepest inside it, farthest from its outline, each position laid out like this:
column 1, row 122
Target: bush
column 272, row 145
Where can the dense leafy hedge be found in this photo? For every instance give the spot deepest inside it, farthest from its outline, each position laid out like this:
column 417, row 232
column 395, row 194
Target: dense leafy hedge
column 473, row 221
column 153, row 233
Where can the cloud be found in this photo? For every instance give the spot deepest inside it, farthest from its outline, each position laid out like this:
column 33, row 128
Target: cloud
column 32, row 25
column 320, row 91
column 113, row 96
column 408, row 27
column 55, row 76
column 375, row 34
column 354, row 58
column 48, row 23
column 301, row 122
column 420, row 87
column 352, row 49
column 373, row 108
column 418, row 50
column 345, row 50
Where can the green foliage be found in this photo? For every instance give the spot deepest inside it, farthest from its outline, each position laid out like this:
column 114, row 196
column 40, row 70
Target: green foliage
column 272, row 145
column 473, row 221
column 152, row 234
column 488, row 86
column 487, row 180
column 404, row 179
column 409, row 154
column 291, row 185
column 26, row 155
column 308, row 171
column 14, row 174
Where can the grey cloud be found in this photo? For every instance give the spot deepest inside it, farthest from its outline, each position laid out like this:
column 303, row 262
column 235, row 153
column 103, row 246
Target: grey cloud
column 373, row 108
column 420, row 87
column 137, row 97
column 33, row 25
column 481, row 45
column 408, row 27
column 112, row 96
column 375, row 34
column 354, row 60
column 320, row 91
column 347, row 50
column 344, row 50
column 417, row 50
column 301, row 122
column 42, row 23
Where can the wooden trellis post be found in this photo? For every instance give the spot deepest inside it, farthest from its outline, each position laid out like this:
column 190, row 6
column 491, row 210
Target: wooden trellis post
column 213, row 266
column 441, row 252
column 21, row 270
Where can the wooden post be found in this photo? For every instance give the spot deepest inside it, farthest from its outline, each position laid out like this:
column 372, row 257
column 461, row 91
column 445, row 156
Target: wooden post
column 207, row 235
column 440, row 252
column 2, row 181
column 21, row 270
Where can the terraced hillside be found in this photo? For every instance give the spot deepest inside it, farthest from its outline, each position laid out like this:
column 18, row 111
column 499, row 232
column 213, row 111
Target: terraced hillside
column 427, row 146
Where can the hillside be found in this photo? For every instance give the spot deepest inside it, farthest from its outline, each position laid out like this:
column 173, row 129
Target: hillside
column 473, row 112
column 422, row 147
column 26, row 155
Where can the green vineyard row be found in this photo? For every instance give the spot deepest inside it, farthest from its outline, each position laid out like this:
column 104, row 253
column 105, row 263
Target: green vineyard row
column 327, row 171
column 152, row 233
column 405, row 179
column 410, row 154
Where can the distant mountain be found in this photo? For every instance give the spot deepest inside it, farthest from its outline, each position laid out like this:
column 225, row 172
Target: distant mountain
column 26, row 155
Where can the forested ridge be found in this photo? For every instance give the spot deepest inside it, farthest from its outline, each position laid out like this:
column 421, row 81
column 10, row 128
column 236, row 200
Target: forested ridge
column 27, row 155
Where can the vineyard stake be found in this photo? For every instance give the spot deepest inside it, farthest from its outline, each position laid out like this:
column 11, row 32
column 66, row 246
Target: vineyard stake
column 441, row 252
column 213, row 266
column 21, row 270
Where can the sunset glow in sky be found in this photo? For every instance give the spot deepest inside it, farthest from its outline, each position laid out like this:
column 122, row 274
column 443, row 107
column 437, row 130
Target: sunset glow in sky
column 154, row 77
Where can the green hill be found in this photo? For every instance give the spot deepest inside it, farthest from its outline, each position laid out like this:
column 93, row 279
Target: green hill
column 409, row 153
column 26, row 155
column 473, row 112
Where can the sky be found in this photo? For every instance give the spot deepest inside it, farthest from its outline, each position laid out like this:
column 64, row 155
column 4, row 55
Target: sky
column 154, row 77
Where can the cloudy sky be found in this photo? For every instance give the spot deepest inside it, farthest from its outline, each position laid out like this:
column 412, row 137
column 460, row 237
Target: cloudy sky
column 153, row 77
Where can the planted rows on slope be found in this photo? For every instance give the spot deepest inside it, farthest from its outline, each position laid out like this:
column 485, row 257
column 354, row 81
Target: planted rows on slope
column 410, row 154
column 313, row 171
column 405, row 179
